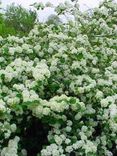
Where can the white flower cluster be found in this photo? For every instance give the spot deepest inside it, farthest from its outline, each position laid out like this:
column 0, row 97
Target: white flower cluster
column 2, row 106
column 41, row 71
column 12, row 148
column 7, row 129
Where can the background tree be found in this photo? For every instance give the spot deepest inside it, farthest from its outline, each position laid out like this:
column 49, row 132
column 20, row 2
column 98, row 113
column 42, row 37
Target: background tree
column 4, row 29
column 21, row 19
column 53, row 19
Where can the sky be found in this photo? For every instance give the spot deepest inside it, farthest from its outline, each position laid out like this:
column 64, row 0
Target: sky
column 84, row 5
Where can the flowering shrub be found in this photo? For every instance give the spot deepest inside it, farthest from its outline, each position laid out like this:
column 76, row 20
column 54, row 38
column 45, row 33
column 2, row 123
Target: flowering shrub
column 66, row 77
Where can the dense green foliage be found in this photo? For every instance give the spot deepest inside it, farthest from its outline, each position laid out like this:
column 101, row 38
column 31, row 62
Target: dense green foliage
column 58, row 86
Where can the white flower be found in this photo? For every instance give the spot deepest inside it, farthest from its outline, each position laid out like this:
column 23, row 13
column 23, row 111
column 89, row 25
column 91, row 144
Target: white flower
column 12, row 148
column 114, row 64
column 68, row 129
column 55, row 152
column 2, row 106
column 63, row 137
column 25, row 46
column 26, row 95
column 78, row 144
column 67, row 141
column 58, row 139
column 69, row 123
column 18, row 49
column 13, row 127
column 99, row 94
column 24, row 152
column 38, row 110
column 78, row 116
column 84, row 128
column 46, row 111
column 12, row 50
column 69, row 149
column 7, row 134
column 37, row 48
column 113, row 110
column 104, row 103
column 41, row 71
column 89, row 147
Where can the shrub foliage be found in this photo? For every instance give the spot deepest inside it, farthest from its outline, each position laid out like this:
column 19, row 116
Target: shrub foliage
column 58, row 86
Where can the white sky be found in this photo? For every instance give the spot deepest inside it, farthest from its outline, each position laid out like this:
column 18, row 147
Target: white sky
column 84, row 5
column 26, row 3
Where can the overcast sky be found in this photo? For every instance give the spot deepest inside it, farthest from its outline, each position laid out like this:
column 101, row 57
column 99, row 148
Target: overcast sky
column 26, row 3
column 84, row 5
